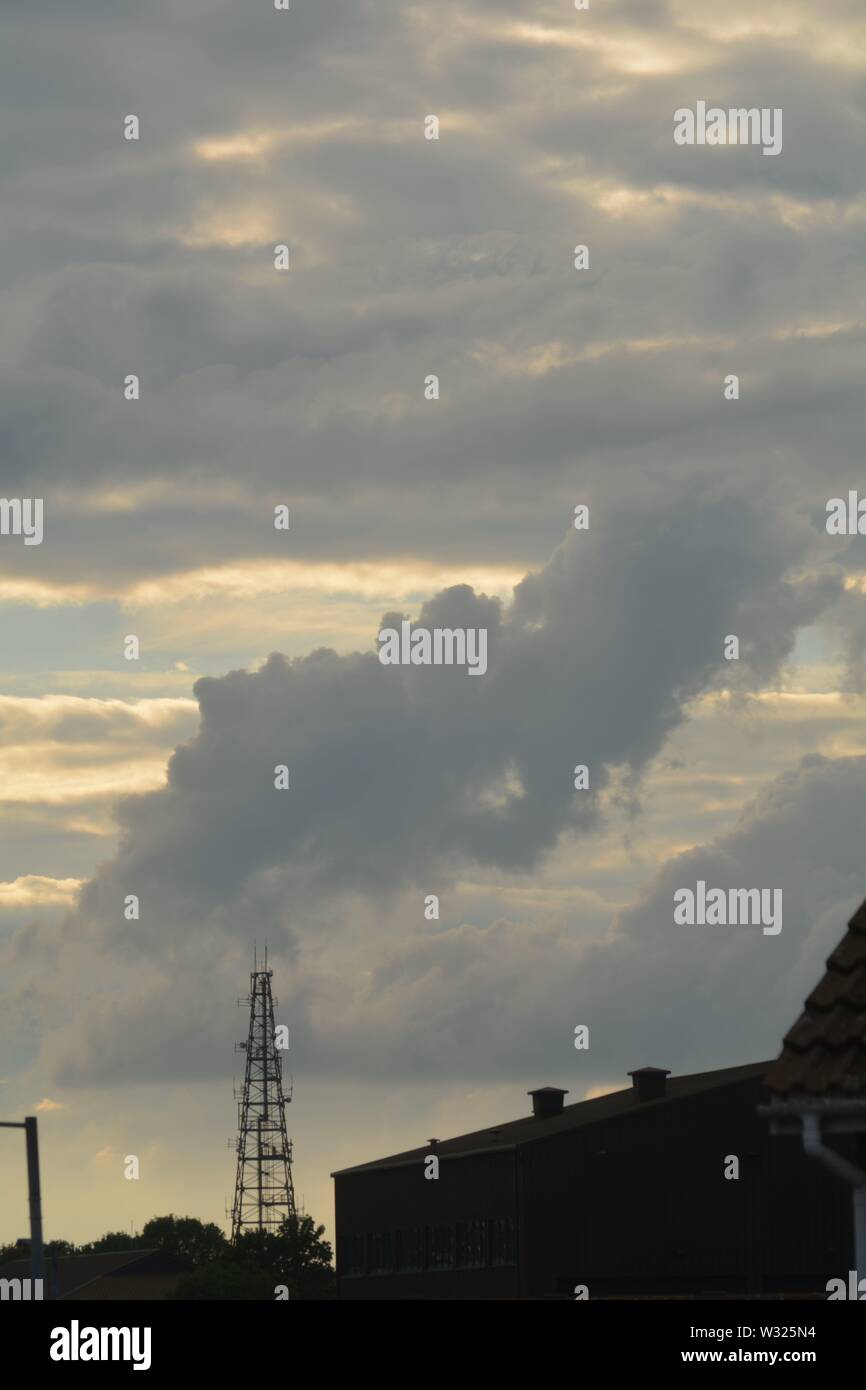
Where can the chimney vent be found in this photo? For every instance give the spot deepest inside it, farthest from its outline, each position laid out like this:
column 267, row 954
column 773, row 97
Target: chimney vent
column 547, row 1101
column 650, row 1083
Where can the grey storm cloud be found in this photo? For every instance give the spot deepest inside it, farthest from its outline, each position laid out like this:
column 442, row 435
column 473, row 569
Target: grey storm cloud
column 490, row 1001
column 400, row 777
column 705, row 993
column 623, row 626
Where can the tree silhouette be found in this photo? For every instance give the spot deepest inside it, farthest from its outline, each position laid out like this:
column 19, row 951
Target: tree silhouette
column 184, row 1236
column 295, row 1256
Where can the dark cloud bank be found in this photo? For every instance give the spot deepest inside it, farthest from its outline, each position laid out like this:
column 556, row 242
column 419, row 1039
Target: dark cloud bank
column 404, row 778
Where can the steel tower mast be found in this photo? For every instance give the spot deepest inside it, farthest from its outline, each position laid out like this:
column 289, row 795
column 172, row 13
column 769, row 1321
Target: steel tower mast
column 264, row 1192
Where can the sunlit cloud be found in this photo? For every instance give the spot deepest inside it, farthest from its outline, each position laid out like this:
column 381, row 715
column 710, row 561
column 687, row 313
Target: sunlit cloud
column 241, row 224
column 63, row 750
column 35, row 890
column 55, row 782
column 138, row 495
column 108, row 1156
column 26, row 718
column 243, row 146
column 827, row 36
column 386, row 581
column 42, row 593
column 635, row 55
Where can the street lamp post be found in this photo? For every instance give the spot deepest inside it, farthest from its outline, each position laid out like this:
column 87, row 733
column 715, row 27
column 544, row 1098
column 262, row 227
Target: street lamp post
column 37, row 1252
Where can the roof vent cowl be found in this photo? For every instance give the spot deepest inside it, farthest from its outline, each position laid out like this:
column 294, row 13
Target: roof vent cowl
column 547, row 1101
column 650, row 1083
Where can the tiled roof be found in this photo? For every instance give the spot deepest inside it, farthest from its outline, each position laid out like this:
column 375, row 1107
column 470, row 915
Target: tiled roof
column 824, row 1054
column 583, row 1114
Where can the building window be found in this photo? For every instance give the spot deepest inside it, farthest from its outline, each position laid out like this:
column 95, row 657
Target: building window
column 471, row 1244
column 354, row 1255
column 441, row 1247
column 502, row 1241
column 410, row 1250
column 382, row 1252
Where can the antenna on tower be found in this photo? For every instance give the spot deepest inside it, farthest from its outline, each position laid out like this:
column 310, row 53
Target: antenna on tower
column 264, row 1191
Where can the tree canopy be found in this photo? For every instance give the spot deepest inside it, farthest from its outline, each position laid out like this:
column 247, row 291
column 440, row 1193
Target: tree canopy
column 256, row 1266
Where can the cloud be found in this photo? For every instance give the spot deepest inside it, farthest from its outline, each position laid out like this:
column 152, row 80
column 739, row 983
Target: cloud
column 410, row 257
column 705, row 993
column 378, row 757
column 62, row 750
column 64, row 761
column 400, row 776
column 47, row 1105
column 490, row 1002
column 36, row 890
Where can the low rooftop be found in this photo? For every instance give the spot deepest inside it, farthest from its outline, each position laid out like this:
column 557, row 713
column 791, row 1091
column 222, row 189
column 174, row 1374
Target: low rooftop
column 571, row 1117
column 76, row 1272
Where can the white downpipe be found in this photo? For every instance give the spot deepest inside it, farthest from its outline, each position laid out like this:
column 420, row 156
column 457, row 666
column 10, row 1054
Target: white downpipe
column 815, row 1148
column 860, row 1231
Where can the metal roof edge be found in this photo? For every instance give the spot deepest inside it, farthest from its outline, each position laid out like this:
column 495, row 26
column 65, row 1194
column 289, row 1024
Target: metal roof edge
column 749, row 1071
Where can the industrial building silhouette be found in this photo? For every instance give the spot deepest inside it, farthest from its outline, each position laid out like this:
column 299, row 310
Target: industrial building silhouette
column 637, row 1192
column 625, row 1194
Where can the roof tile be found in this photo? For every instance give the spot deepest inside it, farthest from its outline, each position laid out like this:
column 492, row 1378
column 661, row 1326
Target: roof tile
column 824, row 1053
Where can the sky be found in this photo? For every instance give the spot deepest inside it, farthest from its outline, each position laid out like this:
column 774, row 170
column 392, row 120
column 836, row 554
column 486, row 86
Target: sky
column 307, row 388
